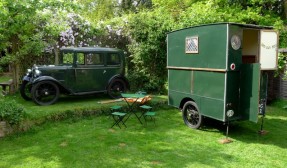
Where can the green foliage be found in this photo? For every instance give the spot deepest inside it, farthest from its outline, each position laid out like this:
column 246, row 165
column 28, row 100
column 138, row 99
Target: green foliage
column 11, row 112
column 281, row 66
column 147, row 31
column 27, row 28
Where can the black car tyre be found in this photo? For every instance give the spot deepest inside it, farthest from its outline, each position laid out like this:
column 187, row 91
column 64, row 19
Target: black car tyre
column 116, row 87
column 191, row 115
column 45, row 93
column 25, row 90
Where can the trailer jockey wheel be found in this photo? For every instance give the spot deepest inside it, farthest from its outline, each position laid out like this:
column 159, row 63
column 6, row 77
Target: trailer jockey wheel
column 191, row 115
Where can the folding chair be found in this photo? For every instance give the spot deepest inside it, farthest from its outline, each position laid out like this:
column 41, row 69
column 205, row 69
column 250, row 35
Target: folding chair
column 115, row 108
column 117, row 116
column 148, row 113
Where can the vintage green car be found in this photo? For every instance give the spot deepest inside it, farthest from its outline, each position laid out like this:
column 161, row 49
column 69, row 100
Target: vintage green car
column 81, row 71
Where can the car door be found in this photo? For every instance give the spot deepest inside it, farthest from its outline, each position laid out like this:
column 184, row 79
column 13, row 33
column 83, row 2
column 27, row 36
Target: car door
column 114, row 63
column 89, row 72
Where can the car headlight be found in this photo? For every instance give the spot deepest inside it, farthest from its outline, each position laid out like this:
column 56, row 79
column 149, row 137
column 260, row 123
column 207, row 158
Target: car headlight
column 29, row 72
column 37, row 73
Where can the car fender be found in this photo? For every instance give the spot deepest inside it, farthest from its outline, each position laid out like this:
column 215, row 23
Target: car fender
column 119, row 76
column 26, row 78
column 49, row 78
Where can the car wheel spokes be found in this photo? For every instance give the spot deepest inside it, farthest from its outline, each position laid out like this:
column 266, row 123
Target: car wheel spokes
column 116, row 87
column 45, row 93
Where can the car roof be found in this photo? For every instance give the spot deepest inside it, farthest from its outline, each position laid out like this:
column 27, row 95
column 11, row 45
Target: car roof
column 90, row 49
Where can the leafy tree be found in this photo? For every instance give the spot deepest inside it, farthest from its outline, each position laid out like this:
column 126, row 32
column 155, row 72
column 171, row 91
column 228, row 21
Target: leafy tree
column 146, row 31
column 98, row 10
column 29, row 27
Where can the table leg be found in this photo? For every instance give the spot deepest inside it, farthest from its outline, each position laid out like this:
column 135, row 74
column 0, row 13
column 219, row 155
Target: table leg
column 130, row 110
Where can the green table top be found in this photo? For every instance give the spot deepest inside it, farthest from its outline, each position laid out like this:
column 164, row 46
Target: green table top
column 127, row 95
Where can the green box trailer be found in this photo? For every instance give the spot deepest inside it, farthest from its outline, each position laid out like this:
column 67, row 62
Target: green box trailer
column 220, row 70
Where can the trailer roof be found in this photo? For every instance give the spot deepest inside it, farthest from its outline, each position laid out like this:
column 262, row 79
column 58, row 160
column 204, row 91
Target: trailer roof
column 90, row 49
column 230, row 23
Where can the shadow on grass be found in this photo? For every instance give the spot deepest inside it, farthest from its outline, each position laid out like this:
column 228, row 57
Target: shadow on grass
column 82, row 98
column 248, row 132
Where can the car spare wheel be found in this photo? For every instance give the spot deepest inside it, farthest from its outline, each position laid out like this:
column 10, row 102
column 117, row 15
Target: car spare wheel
column 45, row 93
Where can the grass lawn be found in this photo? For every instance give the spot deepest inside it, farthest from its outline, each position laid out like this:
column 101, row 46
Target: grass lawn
column 90, row 142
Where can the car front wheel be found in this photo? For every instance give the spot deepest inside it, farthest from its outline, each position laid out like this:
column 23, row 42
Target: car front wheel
column 191, row 115
column 45, row 93
column 116, row 87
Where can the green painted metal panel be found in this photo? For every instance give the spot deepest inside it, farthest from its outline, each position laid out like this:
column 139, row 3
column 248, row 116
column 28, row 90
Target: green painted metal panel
column 234, row 56
column 212, row 41
column 176, row 98
column 209, row 84
column 211, row 87
column 232, row 94
column 205, row 88
column 249, row 91
column 180, row 81
column 212, row 108
column 90, row 78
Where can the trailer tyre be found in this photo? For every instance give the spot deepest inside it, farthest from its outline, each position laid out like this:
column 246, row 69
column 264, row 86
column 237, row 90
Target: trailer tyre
column 191, row 115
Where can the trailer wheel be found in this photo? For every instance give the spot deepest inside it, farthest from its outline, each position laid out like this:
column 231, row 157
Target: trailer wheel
column 191, row 115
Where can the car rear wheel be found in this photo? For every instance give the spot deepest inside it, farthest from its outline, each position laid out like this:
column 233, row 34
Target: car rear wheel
column 25, row 90
column 116, row 87
column 45, row 93
column 191, row 115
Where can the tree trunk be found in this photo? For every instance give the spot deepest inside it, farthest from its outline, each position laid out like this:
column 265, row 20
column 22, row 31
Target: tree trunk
column 15, row 77
column 56, row 51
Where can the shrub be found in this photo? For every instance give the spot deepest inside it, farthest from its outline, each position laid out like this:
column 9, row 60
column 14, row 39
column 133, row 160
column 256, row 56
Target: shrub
column 11, row 112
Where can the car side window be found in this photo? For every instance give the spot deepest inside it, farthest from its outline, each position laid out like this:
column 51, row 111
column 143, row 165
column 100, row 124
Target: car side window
column 80, row 59
column 94, row 59
column 67, row 58
column 113, row 59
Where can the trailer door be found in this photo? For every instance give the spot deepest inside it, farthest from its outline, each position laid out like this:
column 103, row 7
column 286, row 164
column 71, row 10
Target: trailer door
column 268, row 49
column 249, row 91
